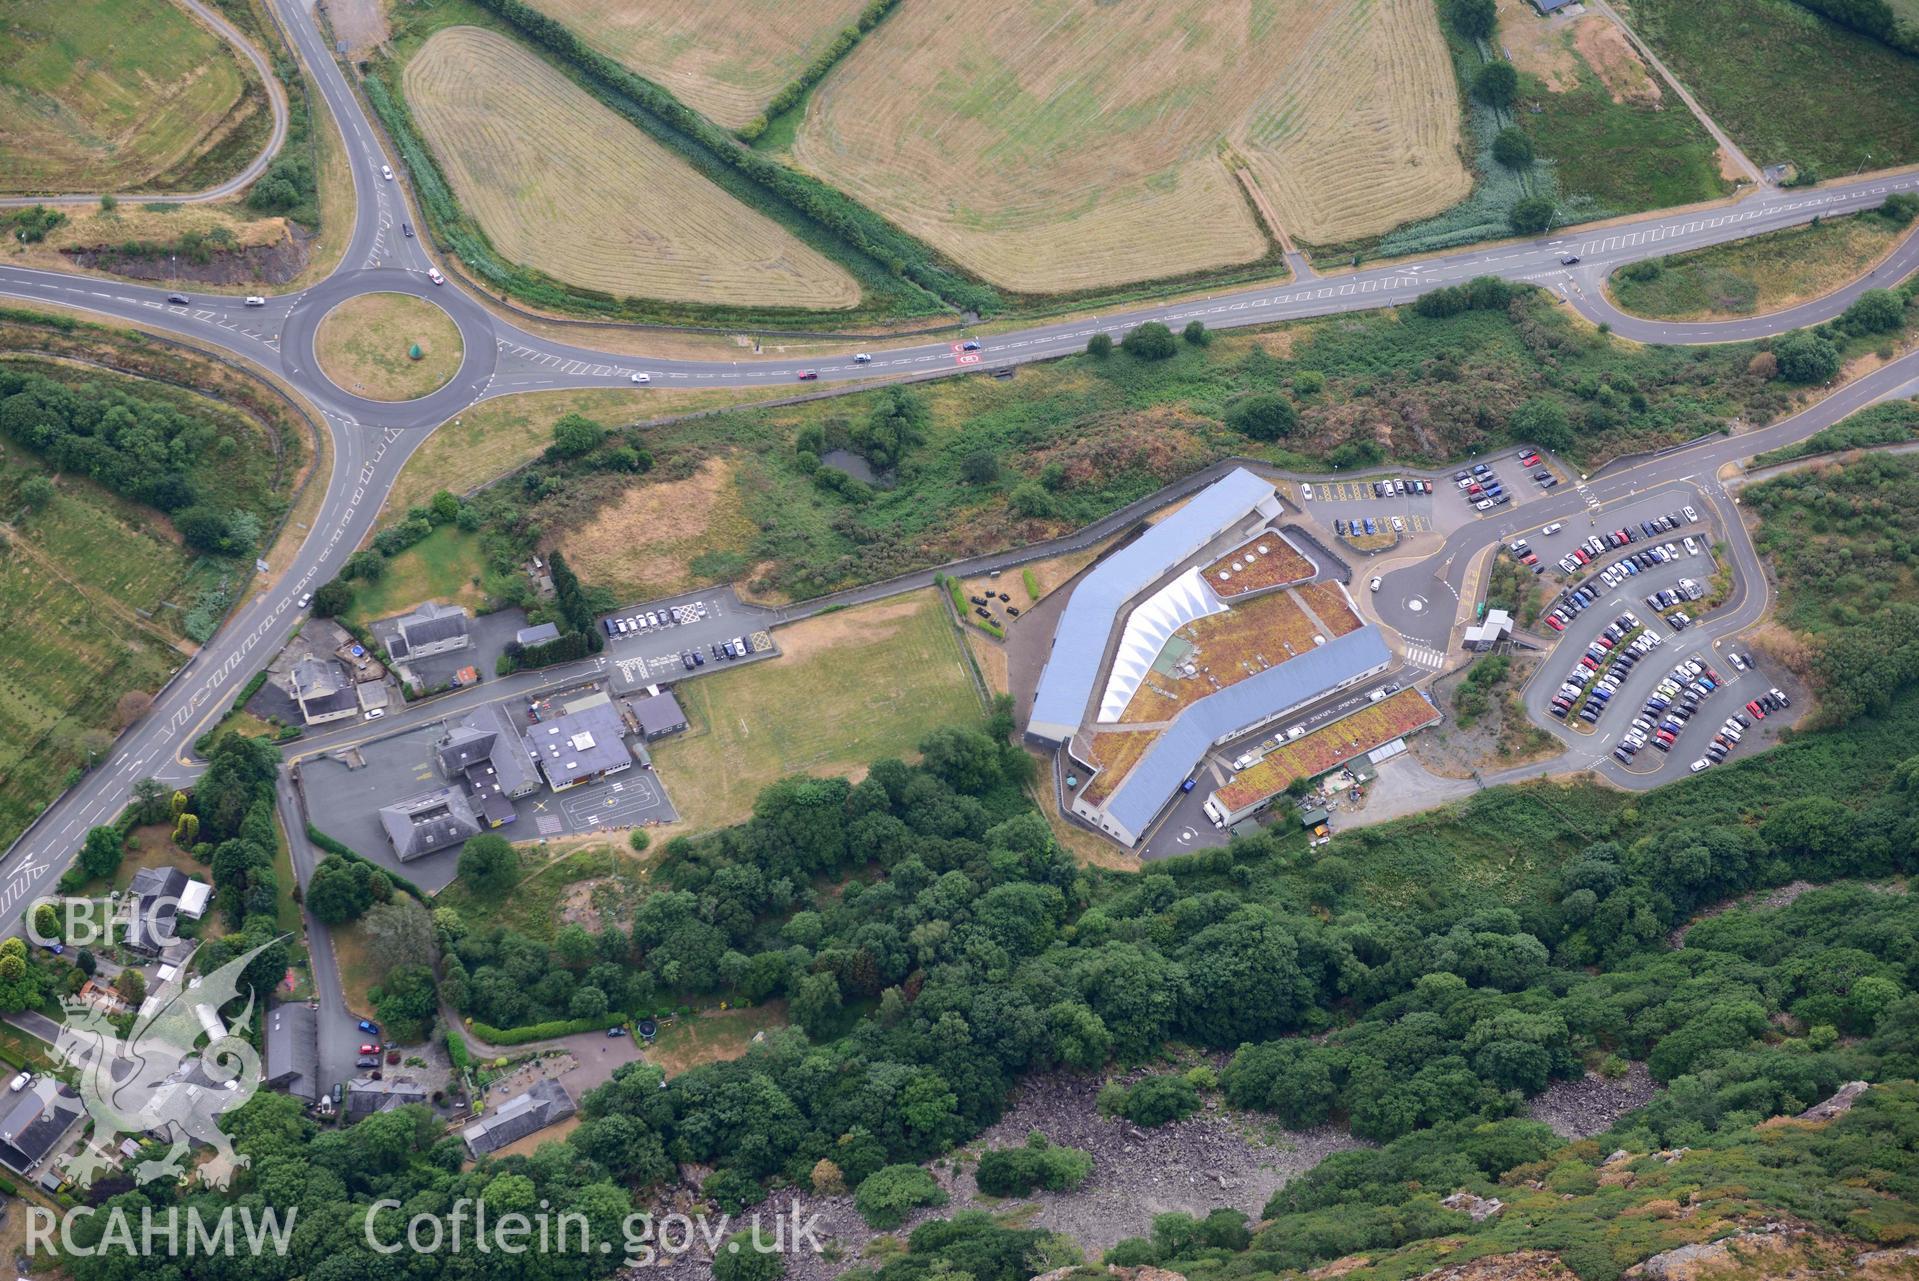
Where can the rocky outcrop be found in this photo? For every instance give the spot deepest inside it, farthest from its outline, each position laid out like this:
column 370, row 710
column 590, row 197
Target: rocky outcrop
column 1694, row 1262
column 1525, row 1265
column 1480, row 1208
column 1838, row 1105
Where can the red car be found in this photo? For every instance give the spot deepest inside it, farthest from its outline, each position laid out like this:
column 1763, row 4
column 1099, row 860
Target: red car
column 369, row 1049
column 1555, row 624
column 809, row 375
column 1758, row 712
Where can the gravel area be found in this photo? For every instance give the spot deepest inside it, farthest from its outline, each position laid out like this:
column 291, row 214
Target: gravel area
column 1589, row 1106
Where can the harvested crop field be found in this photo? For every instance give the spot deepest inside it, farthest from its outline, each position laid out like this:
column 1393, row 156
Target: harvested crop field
column 725, row 60
column 561, row 184
column 647, row 541
column 112, row 95
column 1058, row 145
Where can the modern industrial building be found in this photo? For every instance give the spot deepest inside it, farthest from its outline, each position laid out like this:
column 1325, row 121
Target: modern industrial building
column 1129, row 808
column 1238, row 501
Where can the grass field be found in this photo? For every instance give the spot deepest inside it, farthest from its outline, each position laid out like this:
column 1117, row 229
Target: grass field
column 562, row 184
column 1786, row 84
column 1059, row 145
column 572, row 886
column 726, row 60
column 1599, row 115
column 497, row 435
column 1759, row 274
column 364, row 345
column 71, row 643
column 113, row 95
column 709, row 1036
column 848, row 688
column 650, row 540
column 439, row 567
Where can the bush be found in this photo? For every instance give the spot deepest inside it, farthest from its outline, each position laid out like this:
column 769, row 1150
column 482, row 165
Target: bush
column 1876, row 311
column 1805, row 357
column 1531, row 216
column 1496, row 84
column 1513, row 148
column 738, row 1259
column 1017, row 1171
column 1196, row 333
column 544, row 1031
column 1150, row 341
column 885, row 1196
column 1155, row 1100
column 489, row 863
column 1100, row 346
column 1474, row 19
column 1262, row 416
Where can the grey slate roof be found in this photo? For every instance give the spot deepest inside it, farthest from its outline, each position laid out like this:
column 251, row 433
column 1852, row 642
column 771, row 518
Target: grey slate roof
column 293, row 1050
column 430, row 821
column 155, row 893
column 433, row 622
column 317, row 677
column 523, row 1114
column 485, row 748
column 364, row 1098
column 1180, row 746
column 658, row 714
column 580, row 744
column 1079, row 642
column 35, row 1121
column 538, row 635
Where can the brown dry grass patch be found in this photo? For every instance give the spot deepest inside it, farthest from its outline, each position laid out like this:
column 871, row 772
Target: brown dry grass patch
column 726, row 60
column 562, row 184
column 1329, row 602
column 363, row 345
column 644, row 542
column 1618, row 65
column 1051, row 145
column 712, row 1036
column 1538, row 48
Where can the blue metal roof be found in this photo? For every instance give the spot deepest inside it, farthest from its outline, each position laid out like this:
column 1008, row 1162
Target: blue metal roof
column 1171, row 758
column 1088, row 619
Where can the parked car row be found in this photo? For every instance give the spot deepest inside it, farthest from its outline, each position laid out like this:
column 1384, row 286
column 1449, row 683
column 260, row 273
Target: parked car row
column 1673, row 702
column 1523, row 553
column 1389, row 488
column 1669, row 597
column 1578, row 601
column 1367, row 525
column 1600, row 670
column 653, row 619
column 1634, row 562
column 1482, row 487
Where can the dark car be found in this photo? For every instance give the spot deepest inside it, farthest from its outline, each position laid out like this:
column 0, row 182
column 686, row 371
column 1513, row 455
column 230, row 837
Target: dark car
column 178, row 300
column 1188, row 785
column 1569, row 260
column 809, row 375
column 368, row 1026
column 406, row 229
column 971, row 344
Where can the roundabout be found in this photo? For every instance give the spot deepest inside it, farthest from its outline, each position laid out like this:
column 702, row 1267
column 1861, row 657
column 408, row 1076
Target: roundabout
column 388, row 346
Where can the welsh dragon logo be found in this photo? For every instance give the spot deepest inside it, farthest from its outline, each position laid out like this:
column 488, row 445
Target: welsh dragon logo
column 153, row 1080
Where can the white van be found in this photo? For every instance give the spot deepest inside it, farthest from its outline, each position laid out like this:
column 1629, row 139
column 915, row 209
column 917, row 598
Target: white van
column 255, row 300
column 1296, row 731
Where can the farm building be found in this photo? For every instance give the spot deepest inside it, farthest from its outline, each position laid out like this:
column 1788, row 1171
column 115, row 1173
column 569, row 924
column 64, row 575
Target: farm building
column 1125, row 810
column 431, row 821
column 659, row 714
column 36, row 1122
column 588, row 742
column 293, row 1050
column 1237, row 501
column 322, row 690
column 546, row 1103
column 431, row 629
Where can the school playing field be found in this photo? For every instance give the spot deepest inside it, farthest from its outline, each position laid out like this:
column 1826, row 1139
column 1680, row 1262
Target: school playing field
column 1054, row 145
column 848, row 688
column 112, row 94
column 726, row 60
column 560, row 183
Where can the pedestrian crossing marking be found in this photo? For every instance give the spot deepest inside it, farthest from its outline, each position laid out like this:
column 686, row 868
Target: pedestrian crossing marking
column 1425, row 656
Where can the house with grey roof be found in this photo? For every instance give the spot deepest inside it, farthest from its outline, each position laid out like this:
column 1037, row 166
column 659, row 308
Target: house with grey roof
column 546, row 1103
column 588, row 742
column 431, row 629
column 293, row 1051
column 35, row 1122
column 420, row 825
column 538, row 635
column 659, row 714
column 1238, row 501
column 323, row 691
column 157, row 897
column 364, row 1098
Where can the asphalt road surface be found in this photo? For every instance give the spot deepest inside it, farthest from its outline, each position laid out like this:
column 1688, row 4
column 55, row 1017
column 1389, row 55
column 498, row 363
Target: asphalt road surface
column 372, row 440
